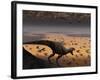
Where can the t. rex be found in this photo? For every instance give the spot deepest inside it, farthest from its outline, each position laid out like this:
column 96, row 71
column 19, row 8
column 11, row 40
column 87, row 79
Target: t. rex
column 57, row 48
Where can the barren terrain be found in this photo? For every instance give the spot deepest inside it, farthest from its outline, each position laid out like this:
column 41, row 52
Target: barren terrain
column 81, row 43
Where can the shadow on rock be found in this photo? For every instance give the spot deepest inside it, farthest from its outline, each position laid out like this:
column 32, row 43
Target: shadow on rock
column 32, row 62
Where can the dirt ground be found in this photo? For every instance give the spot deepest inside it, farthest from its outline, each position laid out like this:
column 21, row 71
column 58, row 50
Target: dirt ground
column 81, row 57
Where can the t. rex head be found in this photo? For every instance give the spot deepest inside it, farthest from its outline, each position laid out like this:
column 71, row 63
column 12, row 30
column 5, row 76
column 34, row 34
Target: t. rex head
column 72, row 48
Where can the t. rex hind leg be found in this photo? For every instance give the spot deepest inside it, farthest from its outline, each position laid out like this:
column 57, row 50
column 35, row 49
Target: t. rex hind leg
column 57, row 60
column 50, row 57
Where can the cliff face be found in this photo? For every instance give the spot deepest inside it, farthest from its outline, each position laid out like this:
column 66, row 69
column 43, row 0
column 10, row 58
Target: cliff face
column 63, row 16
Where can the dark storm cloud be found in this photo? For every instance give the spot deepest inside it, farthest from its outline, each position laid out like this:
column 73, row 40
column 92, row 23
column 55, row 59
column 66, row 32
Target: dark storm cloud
column 67, row 17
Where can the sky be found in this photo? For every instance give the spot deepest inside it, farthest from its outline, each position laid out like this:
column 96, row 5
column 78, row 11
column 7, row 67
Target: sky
column 38, row 25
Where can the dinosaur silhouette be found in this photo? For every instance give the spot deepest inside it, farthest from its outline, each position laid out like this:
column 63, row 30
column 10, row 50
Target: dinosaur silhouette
column 57, row 48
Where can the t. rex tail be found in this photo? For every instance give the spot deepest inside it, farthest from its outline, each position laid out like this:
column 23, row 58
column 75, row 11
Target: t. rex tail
column 41, row 42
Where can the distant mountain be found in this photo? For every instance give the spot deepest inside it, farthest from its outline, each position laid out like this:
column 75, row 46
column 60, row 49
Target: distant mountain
column 79, row 35
column 72, row 34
